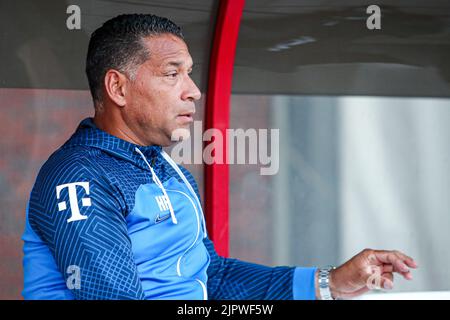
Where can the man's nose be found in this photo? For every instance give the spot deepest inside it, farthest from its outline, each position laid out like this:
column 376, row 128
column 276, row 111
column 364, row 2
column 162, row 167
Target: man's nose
column 192, row 92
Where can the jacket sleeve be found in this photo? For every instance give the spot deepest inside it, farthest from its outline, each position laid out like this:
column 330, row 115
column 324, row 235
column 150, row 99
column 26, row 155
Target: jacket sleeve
column 79, row 215
column 235, row 279
column 239, row 280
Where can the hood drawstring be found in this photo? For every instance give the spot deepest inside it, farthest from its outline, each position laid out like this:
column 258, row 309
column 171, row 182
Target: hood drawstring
column 186, row 182
column 160, row 185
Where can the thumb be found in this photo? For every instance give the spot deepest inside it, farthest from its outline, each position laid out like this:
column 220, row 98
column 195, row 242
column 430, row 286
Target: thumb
column 387, row 281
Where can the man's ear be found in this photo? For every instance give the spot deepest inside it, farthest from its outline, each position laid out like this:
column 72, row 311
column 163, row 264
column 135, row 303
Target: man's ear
column 115, row 86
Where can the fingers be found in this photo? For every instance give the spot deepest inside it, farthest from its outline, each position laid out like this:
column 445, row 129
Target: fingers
column 398, row 260
column 380, row 279
column 387, row 281
column 409, row 262
column 389, row 268
column 406, row 259
column 407, row 275
column 394, row 260
column 373, row 269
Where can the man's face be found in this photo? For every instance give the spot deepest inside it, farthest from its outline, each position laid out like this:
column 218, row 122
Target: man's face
column 161, row 97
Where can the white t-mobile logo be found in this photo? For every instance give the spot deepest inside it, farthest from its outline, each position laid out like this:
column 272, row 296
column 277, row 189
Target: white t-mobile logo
column 73, row 200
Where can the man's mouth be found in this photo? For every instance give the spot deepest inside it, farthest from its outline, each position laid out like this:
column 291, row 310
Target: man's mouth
column 186, row 117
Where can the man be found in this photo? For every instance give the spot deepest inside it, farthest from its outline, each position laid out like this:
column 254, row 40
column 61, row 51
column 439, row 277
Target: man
column 111, row 216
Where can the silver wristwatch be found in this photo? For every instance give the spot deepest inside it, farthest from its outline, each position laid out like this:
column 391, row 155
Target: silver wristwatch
column 324, row 283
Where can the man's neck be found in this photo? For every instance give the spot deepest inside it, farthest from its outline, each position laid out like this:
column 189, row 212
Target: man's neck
column 116, row 127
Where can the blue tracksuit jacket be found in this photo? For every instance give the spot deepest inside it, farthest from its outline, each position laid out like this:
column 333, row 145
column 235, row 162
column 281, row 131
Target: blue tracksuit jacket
column 108, row 219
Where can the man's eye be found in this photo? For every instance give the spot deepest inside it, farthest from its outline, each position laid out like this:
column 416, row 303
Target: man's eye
column 172, row 75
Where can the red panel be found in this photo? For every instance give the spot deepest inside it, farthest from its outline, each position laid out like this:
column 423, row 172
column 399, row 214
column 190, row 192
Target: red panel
column 218, row 117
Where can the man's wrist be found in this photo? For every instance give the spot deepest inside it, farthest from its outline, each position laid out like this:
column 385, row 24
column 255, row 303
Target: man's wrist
column 332, row 283
column 331, row 290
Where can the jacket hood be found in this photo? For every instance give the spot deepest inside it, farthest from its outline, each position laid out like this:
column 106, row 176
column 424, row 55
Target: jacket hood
column 89, row 135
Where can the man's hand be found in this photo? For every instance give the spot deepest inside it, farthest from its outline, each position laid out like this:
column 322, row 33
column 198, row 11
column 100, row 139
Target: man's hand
column 370, row 269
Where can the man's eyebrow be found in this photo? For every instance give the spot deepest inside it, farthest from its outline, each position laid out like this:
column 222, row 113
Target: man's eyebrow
column 177, row 64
